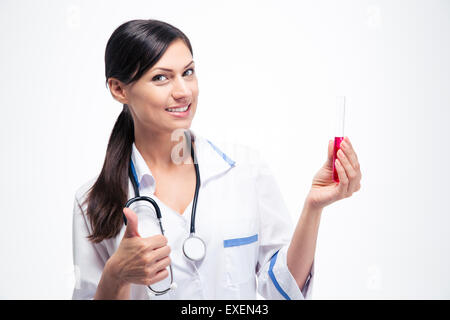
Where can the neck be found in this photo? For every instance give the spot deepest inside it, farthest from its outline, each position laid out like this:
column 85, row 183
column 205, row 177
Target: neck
column 159, row 151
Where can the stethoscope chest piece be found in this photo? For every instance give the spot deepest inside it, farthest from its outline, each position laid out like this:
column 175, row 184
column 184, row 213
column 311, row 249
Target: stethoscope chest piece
column 194, row 248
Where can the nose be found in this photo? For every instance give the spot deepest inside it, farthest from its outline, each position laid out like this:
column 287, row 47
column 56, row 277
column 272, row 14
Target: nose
column 180, row 89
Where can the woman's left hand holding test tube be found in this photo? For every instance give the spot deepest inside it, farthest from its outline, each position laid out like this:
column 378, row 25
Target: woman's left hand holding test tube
column 324, row 189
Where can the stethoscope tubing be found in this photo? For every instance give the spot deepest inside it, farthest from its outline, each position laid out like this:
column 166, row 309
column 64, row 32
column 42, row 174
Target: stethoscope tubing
column 138, row 197
column 158, row 215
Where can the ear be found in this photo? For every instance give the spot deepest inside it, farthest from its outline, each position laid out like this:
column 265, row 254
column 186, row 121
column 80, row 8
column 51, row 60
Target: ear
column 117, row 89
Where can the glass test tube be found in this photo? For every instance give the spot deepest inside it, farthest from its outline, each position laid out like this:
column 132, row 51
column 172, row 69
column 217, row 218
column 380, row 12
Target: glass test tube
column 339, row 131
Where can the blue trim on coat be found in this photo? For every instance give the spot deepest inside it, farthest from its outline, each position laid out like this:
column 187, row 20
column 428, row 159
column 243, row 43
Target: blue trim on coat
column 223, row 155
column 239, row 241
column 134, row 173
column 274, row 280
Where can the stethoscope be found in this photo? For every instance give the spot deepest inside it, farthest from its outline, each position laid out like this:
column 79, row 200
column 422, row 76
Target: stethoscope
column 194, row 248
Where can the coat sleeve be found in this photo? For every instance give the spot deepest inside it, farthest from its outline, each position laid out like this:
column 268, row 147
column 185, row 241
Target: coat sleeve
column 276, row 229
column 89, row 259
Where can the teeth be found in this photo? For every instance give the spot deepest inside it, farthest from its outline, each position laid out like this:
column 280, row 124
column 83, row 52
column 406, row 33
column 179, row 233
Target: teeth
column 177, row 109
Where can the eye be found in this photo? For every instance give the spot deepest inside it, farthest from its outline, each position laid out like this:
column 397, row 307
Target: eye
column 191, row 70
column 155, row 78
column 160, row 76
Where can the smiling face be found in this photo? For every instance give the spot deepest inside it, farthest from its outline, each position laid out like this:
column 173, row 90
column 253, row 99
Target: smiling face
column 170, row 83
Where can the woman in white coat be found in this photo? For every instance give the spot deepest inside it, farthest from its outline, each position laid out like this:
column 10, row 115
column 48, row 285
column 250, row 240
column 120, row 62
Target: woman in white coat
column 252, row 246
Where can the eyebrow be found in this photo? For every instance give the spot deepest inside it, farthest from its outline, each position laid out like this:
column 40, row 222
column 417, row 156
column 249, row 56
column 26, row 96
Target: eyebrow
column 165, row 69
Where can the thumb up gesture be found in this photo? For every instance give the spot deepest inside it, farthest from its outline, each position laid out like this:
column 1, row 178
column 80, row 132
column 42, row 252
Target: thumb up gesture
column 139, row 260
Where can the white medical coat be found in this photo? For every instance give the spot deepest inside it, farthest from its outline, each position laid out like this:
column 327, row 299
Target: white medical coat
column 241, row 216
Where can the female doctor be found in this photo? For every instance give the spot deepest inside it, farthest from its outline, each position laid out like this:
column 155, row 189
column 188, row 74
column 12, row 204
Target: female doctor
column 248, row 243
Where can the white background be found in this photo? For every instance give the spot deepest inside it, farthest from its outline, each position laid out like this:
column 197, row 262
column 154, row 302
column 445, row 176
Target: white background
column 269, row 72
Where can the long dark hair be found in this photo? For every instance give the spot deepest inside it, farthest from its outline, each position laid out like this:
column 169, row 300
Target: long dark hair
column 133, row 48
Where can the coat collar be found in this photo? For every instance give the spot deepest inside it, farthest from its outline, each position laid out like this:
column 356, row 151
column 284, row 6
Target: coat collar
column 211, row 161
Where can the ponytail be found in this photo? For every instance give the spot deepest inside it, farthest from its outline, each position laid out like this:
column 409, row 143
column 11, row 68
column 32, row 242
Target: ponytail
column 110, row 192
column 133, row 48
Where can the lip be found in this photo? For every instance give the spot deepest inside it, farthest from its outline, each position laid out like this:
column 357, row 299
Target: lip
column 181, row 114
column 180, row 106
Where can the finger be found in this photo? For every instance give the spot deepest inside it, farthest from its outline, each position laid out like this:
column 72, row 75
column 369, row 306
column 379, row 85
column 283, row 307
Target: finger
column 132, row 223
column 351, row 155
column 158, row 277
column 347, row 140
column 352, row 175
column 155, row 242
column 343, row 180
column 157, row 267
column 160, row 253
column 161, row 264
column 330, row 153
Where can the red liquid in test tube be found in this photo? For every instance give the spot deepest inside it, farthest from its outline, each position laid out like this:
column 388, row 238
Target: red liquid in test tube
column 339, row 133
